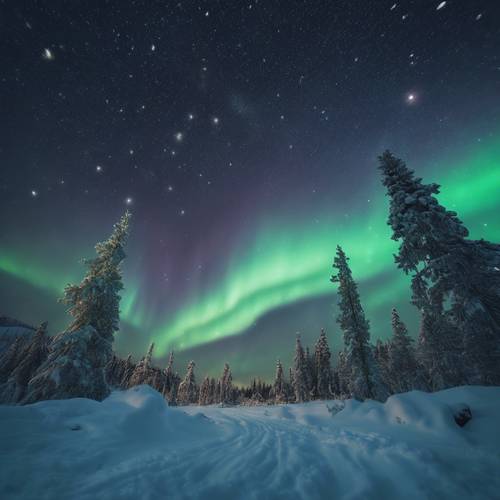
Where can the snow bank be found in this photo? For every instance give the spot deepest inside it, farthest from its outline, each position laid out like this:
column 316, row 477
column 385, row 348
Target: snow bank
column 132, row 445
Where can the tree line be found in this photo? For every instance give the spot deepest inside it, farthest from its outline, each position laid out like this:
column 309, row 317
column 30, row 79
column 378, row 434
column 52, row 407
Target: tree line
column 455, row 284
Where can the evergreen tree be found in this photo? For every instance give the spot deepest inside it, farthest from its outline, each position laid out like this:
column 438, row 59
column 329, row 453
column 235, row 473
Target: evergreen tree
column 143, row 371
column 128, row 370
column 188, row 391
column 381, row 354
column 213, row 391
column 343, row 374
column 310, row 372
column 31, row 355
column 77, row 360
column 364, row 377
column 10, row 358
column 322, row 367
column 300, row 382
column 204, row 398
column 226, row 386
column 279, row 388
column 402, row 364
column 451, row 276
column 96, row 300
column 437, row 353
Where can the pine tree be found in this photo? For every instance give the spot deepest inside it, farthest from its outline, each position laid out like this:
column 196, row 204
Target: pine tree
column 279, row 387
column 452, row 277
column 96, row 300
column 310, row 371
column 364, row 377
column 128, row 370
column 31, row 355
column 213, row 391
column 204, row 398
column 226, row 386
column 437, row 353
column 381, row 354
column 188, row 391
column 143, row 372
column 78, row 356
column 322, row 367
column 10, row 358
column 402, row 364
column 300, row 381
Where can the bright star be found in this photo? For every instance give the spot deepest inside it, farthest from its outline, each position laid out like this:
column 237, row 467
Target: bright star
column 98, row 168
column 179, row 136
column 34, row 193
column 129, row 201
column 215, row 120
column 47, row 54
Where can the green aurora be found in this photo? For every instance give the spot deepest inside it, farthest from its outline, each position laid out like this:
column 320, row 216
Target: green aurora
column 290, row 260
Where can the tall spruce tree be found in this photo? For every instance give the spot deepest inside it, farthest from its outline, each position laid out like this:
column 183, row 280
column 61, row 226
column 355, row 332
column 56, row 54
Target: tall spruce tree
column 300, row 379
column 204, row 398
column 32, row 354
column 322, row 367
column 143, row 372
column 76, row 363
column 188, row 391
column 454, row 280
column 402, row 363
column 226, row 386
column 279, row 386
column 364, row 377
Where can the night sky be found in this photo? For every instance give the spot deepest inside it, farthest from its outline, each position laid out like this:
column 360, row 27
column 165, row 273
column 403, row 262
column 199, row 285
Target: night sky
column 243, row 136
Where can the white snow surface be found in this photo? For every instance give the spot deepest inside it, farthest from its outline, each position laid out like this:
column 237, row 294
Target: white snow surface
column 134, row 446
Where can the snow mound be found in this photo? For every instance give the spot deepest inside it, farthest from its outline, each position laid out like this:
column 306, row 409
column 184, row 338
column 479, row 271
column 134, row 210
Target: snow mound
column 133, row 445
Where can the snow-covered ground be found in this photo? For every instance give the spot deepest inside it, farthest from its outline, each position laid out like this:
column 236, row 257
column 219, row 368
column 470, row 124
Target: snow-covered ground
column 133, row 446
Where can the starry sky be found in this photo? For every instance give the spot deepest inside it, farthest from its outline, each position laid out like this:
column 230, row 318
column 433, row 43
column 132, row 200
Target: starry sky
column 243, row 136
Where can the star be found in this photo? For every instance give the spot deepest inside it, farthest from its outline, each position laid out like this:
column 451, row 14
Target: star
column 48, row 55
column 190, row 116
column 215, row 120
column 411, row 98
column 98, row 168
column 128, row 201
column 179, row 136
column 182, row 212
column 153, row 47
column 170, row 188
column 441, row 5
column 34, row 193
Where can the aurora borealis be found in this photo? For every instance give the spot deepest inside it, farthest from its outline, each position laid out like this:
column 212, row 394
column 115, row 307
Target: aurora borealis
column 240, row 188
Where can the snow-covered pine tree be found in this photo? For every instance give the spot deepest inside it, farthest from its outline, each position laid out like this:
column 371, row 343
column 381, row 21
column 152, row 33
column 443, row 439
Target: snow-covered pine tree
column 188, row 391
column 213, row 391
column 128, row 370
column 300, row 381
column 279, row 387
column 143, row 371
column 10, row 358
column 402, row 363
column 77, row 358
column 364, row 376
column 204, row 398
column 437, row 353
column 310, row 371
column 381, row 354
column 226, row 386
column 452, row 276
column 31, row 356
column 343, row 373
column 322, row 367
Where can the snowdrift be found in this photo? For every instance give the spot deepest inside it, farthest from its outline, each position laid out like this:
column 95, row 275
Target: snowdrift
column 133, row 445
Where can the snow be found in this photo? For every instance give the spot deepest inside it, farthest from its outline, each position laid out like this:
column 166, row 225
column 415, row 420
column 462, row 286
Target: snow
column 133, row 445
